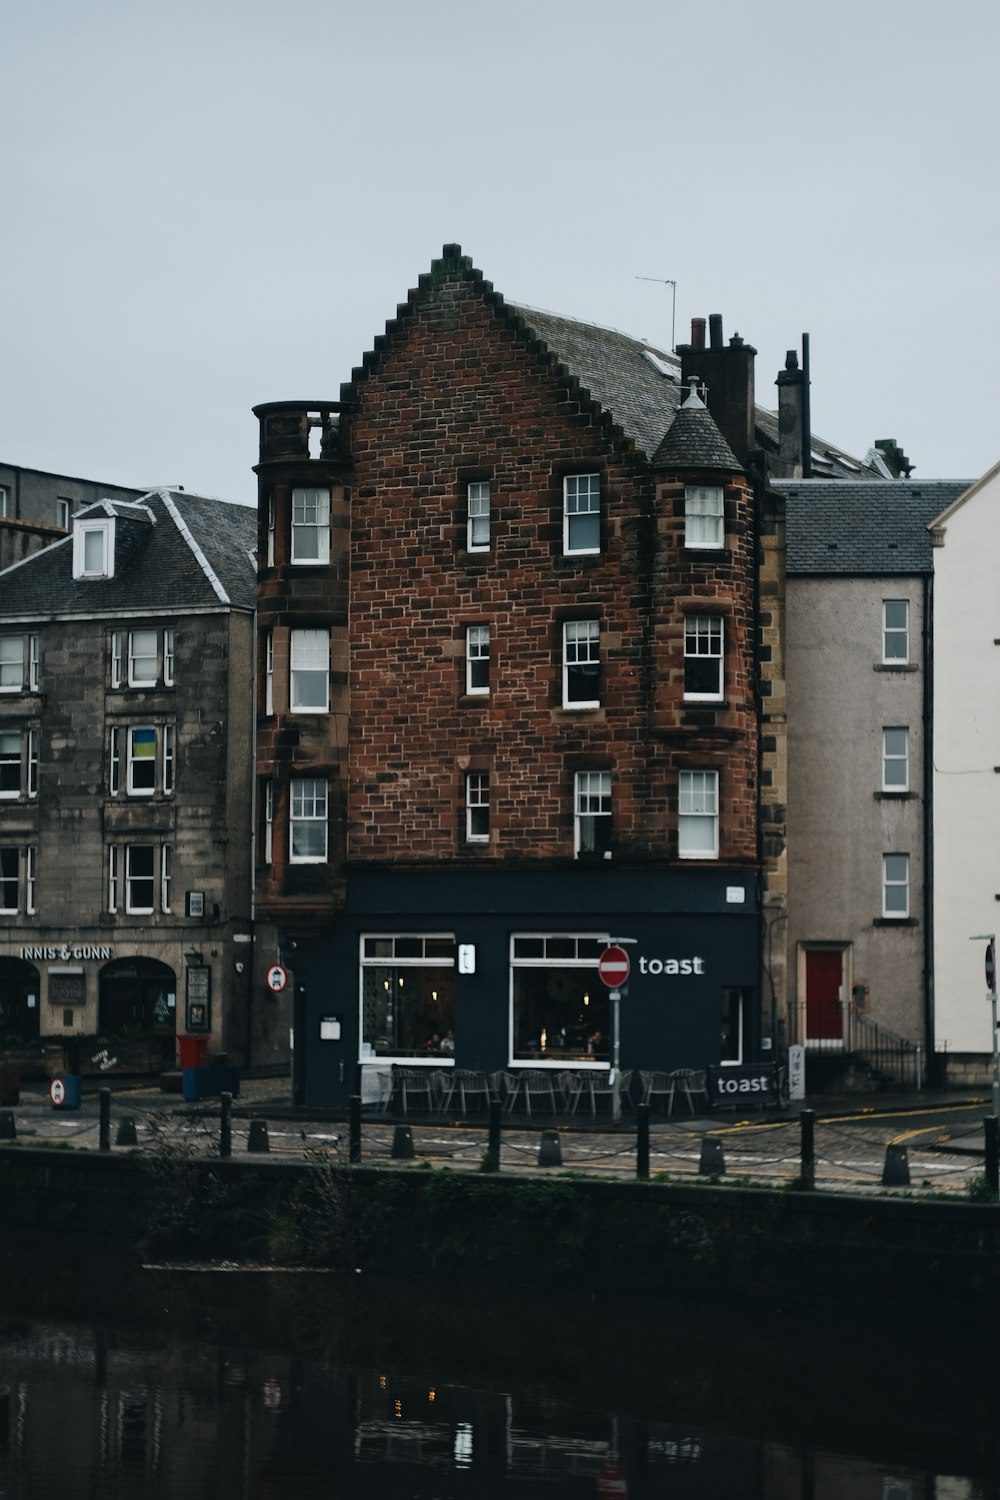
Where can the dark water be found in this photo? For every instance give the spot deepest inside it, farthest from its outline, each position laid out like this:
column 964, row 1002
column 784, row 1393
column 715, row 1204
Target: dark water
column 152, row 1384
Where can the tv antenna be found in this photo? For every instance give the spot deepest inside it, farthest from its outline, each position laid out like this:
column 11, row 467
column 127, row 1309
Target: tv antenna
column 665, row 281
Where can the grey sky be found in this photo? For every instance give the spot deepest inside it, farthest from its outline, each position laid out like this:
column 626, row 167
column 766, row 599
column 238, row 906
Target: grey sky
column 211, row 204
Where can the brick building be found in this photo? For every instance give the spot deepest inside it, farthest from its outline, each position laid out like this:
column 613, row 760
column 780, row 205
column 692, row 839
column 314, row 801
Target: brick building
column 507, row 710
column 126, row 716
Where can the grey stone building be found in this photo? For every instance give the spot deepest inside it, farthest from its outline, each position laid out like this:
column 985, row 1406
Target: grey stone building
column 858, row 664
column 37, row 507
column 126, row 723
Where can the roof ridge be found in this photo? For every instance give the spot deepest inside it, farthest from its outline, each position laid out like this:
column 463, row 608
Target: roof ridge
column 201, row 559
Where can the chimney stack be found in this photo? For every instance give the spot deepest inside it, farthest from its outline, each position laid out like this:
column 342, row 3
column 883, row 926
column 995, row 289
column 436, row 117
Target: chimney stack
column 791, row 417
column 728, row 376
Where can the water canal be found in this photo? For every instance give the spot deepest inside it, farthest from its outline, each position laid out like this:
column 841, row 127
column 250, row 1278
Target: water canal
column 242, row 1385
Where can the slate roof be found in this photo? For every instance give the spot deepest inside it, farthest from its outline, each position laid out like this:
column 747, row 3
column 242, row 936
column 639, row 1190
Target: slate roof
column 173, row 552
column 863, row 527
column 695, row 442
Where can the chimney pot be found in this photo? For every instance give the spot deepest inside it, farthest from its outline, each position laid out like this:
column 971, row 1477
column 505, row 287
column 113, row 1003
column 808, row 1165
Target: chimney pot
column 792, row 359
column 697, row 333
column 715, row 330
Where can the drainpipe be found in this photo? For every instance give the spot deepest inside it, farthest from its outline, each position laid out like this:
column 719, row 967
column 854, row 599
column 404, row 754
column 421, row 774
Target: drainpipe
column 928, row 788
column 806, row 412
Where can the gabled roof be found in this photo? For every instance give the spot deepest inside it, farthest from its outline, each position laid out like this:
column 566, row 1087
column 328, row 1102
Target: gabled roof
column 862, row 527
column 966, row 495
column 173, row 552
column 632, row 384
column 694, row 441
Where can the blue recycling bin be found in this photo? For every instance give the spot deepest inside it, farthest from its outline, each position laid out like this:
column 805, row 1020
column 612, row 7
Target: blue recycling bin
column 64, row 1091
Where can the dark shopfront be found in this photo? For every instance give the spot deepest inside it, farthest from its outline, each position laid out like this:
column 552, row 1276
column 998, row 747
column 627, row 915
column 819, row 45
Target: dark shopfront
column 499, row 971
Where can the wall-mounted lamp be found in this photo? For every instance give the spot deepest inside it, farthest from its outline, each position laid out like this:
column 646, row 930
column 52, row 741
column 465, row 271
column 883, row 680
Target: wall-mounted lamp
column 192, row 956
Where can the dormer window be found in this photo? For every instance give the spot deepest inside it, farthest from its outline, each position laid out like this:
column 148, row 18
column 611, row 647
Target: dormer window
column 94, row 549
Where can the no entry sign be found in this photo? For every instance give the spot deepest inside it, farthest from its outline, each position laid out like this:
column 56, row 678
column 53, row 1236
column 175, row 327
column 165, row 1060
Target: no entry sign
column 613, row 967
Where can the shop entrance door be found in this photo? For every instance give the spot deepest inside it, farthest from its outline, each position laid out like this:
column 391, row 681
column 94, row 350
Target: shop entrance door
column 20, row 1005
column 824, row 991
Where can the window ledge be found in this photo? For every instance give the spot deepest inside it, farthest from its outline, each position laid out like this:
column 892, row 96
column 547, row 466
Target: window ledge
column 896, row 796
column 893, row 666
column 897, row 922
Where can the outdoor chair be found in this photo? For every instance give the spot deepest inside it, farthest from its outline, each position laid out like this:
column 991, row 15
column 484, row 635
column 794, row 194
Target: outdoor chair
column 506, row 1087
column 594, row 1086
column 538, row 1085
column 688, row 1082
column 656, row 1086
column 417, row 1082
column 469, row 1084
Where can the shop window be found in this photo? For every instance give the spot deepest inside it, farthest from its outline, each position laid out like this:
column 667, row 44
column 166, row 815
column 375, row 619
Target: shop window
column 407, row 996
column 559, row 1006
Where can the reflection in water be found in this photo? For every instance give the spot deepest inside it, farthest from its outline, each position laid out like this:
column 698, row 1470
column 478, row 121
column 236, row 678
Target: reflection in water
column 231, row 1402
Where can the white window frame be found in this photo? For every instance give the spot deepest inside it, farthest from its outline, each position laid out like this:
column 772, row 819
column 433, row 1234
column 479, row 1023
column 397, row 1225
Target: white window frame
column 308, row 809
column 306, row 657
column 397, row 952
column 166, row 876
column 581, row 648
column 64, row 512
column 11, row 663
column 697, row 808
column 117, row 658
column 592, row 803
column 33, row 742
column 114, row 759
column 113, row 868
column 581, row 501
column 479, row 523
column 132, row 879
column 30, row 878
column 135, row 656
column 84, row 565
column 146, row 760
column 477, row 807
column 895, row 877
column 704, row 640
column 585, row 956
column 268, row 821
column 169, row 645
column 33, row 664
column 269, row 672
column 477, row 659
column 310, row 527
column 16, row 760
column 891, row 634
column 10, row 856
column 270, row 532
column 169, row 760
column 894, row 758
column 737, row 999
column 704, row 517
column 6, row 510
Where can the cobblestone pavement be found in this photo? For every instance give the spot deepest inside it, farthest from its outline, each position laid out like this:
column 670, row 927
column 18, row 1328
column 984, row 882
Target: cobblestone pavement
column 852, row 1152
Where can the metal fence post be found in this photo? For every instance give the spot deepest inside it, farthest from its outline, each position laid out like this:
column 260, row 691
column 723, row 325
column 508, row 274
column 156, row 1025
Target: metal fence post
column 642, row 1141
column 493, row 1145
column 104, row 1131
column 991, row 1126
column 807, row 1149
column 226, row 1125
column 354, row 1120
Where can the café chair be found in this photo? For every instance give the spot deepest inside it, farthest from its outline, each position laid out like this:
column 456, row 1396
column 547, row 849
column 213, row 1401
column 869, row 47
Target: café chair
column 540, row 1085
column 506, row 1087
column 470, row 1085
column 416, row 1081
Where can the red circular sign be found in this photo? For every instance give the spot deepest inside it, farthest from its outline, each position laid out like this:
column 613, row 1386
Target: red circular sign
column 277, row 978
column 613, row 966
column 990, row 966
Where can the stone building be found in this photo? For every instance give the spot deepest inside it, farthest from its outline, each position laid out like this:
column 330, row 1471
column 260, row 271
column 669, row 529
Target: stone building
column 508, row 709
column 126, row 720
column 37, row 507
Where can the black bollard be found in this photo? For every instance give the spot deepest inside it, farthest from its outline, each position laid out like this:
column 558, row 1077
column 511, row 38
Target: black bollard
column 226, row 1125
column 712, row 1163
column 991, row 1164
column 493, row 1146
column 354, row 1125
column 896, row 1171
column 104, row 1130
column 402, row 1143
column 642, row 1141
column 8, row 1130
column 550, row 1149
column 258, row 1139
column 126, row 1132
column 807, row 1150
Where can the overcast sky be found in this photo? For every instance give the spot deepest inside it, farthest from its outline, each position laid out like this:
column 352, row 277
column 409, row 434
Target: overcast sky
column 213, row 203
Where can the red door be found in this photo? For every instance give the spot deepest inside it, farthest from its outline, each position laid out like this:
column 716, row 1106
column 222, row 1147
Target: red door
column 824, row 980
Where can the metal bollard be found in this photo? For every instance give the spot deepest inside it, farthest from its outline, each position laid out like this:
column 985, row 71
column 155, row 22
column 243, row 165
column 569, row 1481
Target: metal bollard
column 896, row 1171
column 354, row 1125
column 258, row 1140
column 226, row 1125
column 402, row 1143
column 807, row 1149
column 712, row 1163
column 991, row 1163
column 126, row 1132
column 642, row 1141
column 493, row 1143
column 550, row 1149
column 104, row 1129
column 8, row 1129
